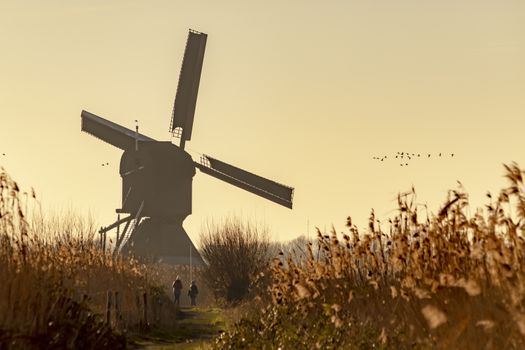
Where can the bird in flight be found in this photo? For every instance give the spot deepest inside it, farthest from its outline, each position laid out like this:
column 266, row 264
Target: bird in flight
column 406, row 157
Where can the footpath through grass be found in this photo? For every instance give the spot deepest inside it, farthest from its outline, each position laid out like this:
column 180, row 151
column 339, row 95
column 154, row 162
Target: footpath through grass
column 196, row 329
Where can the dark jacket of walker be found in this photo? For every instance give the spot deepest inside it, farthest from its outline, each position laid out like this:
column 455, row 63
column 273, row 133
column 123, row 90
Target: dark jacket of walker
column 177, row 286
column 192, row 293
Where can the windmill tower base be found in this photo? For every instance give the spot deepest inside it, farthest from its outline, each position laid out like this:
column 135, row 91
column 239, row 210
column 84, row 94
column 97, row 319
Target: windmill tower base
column 161, row 241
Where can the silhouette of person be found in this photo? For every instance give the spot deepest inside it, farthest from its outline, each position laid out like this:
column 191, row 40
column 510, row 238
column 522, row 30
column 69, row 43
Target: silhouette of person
column 177, row 288
column 192, row 293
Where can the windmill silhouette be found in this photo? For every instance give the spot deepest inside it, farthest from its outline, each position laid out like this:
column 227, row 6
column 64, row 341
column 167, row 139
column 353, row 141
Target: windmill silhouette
column 157, row 175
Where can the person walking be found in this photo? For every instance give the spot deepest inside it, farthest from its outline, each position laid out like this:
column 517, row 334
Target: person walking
column 177, row 289
column 192, row 293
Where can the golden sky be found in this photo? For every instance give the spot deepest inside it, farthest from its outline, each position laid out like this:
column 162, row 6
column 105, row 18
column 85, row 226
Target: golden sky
column 302, row 92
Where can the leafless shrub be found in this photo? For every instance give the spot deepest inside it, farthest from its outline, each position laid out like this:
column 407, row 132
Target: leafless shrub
column 235, row 254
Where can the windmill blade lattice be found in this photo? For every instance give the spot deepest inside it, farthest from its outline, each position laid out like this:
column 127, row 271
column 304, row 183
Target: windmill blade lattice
column 263, row 187
column 188, row 87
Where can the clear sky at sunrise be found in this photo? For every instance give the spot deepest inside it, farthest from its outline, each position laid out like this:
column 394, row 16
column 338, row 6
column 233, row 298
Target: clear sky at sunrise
column 302, row 92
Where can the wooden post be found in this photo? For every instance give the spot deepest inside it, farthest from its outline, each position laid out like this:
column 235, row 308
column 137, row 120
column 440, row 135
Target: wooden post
column 159, row 309
column 154, row 309
column 108, row 308
column 137, row 302
column 118, row 228
column 145, row 297
column 118, row 315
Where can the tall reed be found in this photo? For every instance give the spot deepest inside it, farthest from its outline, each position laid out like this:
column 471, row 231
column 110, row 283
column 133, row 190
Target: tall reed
column 447, row 281
column 55, row 281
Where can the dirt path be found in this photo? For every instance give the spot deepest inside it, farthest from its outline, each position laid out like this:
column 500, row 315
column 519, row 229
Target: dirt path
column 196, row 328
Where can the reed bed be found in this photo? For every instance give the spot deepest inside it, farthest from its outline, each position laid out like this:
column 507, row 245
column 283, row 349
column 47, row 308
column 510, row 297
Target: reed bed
column 54, row 283
column 428, row 281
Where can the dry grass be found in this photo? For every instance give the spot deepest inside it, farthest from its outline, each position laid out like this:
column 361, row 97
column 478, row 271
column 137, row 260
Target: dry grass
column 55, row 281
column 447, row 281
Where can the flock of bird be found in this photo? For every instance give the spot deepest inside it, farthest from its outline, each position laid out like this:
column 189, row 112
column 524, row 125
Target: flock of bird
column 103, row 164
column 404, row 157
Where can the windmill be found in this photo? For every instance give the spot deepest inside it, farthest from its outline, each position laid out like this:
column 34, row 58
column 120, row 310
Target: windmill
column 157, row 175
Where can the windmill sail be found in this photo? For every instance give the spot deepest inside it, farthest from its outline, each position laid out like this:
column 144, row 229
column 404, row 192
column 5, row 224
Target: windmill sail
column 189, row 79
column 110, row 132
column 255, row 184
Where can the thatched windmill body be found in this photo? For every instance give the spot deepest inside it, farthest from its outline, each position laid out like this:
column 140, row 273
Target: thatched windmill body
column 157, row 175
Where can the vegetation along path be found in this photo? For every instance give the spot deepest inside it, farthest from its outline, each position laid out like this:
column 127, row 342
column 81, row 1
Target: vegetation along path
column 195, row 329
